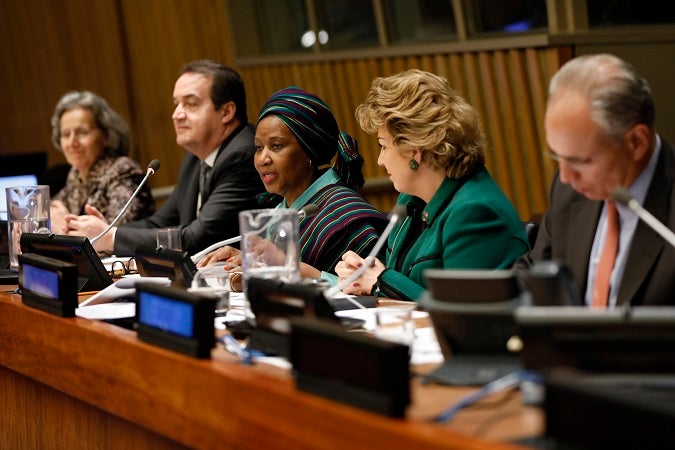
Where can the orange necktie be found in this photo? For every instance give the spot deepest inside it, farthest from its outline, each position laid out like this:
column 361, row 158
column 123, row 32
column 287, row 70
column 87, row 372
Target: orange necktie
column 606, row 263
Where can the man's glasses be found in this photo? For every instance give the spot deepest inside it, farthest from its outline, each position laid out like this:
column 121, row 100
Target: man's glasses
column 120, row 268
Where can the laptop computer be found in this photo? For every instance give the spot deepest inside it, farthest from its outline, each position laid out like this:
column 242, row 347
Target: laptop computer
column 274, row 302
column 472, row 315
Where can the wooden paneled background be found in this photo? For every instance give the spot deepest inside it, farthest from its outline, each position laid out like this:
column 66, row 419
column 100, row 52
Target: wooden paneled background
column 130, row 51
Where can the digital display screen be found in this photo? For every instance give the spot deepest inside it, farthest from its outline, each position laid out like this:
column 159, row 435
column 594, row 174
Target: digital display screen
column 41, row 281
column 166, row 314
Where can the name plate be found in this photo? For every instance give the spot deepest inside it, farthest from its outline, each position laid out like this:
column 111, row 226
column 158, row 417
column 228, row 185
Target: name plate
column 48, row 284
column 176, row 319
column 349, row 367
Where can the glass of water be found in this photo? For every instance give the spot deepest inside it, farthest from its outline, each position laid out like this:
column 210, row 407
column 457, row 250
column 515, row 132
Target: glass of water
column 269, row 244
column 27, row 212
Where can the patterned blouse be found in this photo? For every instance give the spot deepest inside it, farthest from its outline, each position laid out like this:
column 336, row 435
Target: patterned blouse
column 109, row 185
column 344, row 221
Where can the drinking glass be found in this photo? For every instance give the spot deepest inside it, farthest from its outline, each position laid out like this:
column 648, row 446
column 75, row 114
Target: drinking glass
column 27, row 212
column 269, row 244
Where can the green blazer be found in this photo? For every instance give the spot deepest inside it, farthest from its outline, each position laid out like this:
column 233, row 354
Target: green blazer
column 468, row 224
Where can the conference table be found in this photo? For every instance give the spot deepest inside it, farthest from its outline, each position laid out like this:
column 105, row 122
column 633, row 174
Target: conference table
column 78, row 383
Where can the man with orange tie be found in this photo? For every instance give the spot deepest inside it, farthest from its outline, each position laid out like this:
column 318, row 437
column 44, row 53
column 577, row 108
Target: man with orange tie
column 599, row 125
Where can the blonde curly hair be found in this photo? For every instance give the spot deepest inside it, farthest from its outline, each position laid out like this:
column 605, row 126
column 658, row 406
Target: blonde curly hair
column 421, row 111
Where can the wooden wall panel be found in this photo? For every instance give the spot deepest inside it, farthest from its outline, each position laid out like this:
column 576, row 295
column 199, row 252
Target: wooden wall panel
column 49, row 48
column 507, row 87
column 130, row 53
column 161, row 36
column 126, row 51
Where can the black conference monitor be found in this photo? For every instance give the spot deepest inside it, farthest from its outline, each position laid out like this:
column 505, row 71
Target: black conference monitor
column 352, row 368
column 161, row 262
column 472, row 315
column 91, row 273
column 275, row 302
column 551, row 283
column 619, row 410
column 618, row 340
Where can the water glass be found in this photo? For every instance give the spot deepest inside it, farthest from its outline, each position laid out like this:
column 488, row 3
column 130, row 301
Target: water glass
column 170, row 238
column 269, row 244
column 395, row 324
column 27, row 212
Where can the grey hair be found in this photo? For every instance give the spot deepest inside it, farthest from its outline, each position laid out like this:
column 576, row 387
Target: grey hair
column 619, row 96
column 112, row 125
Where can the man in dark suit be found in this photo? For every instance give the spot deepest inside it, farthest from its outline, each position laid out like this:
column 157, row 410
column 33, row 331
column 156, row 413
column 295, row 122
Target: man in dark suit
column 211, row 124
column 599, row 126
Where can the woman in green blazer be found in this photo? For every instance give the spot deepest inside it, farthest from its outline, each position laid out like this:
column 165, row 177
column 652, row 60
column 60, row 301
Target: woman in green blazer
column 433, row 148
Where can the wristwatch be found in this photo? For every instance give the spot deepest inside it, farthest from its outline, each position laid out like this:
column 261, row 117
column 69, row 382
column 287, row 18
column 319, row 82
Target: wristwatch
column 375, row 290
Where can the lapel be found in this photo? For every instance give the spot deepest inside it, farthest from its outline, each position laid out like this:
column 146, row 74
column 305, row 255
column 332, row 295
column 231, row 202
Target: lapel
column 584, row 216
column 647, row 245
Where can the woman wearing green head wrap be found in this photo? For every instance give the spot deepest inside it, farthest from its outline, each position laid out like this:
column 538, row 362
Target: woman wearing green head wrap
column 302, row 156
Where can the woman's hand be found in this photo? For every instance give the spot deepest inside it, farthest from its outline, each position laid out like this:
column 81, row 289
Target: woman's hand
column 57, row 214
column 91, row 225
column 227, row 253
column 351, row 262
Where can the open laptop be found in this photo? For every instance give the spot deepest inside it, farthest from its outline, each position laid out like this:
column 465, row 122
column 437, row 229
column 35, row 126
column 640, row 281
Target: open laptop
column 274, row 302
column 472, row 315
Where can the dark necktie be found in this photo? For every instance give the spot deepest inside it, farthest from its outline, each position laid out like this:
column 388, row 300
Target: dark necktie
column 607, row 258
column 204, row 170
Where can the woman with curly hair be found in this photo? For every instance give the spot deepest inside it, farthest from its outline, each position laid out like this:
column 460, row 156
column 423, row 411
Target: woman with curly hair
column 433, row 148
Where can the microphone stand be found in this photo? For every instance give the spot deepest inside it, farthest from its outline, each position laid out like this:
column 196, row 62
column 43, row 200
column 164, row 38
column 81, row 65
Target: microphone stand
column 622, row 196
column 394, row 217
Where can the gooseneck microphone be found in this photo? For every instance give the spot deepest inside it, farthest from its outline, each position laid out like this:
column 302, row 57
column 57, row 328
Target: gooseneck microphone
column 395, row 215
column 622, row 196
column 306, row 211
column 309, row 210
column 152, row 168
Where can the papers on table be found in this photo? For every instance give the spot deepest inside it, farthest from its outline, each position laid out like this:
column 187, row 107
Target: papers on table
column 107, row 311
column 426, row 349
column 109, row 303
column 122, row 288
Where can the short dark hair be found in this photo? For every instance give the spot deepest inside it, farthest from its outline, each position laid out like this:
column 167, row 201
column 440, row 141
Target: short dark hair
column 227, row 84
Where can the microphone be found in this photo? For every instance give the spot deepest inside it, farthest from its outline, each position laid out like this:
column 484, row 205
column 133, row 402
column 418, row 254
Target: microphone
column 152, row 168
column 622, row 196
column 395, row 215
column 309, row 210
column 306, row 211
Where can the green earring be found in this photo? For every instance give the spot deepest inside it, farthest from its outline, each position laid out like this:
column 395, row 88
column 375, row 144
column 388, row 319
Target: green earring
column 414, row 165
